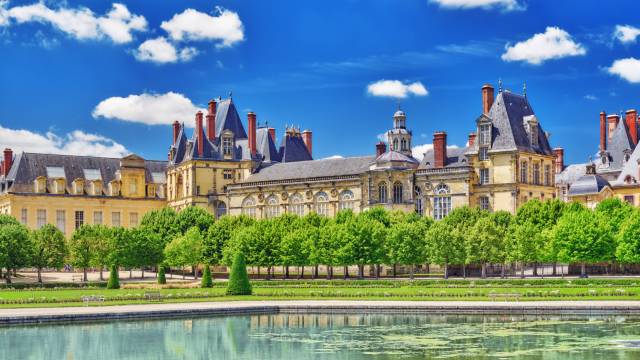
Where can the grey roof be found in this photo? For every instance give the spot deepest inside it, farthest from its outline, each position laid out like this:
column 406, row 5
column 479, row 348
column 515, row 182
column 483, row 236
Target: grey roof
column 571, row 173
column 616, row 147
column 507, row 116
column 312, row 169
column 455, row 158
column 29, row 166
column 227, row 118
column 587, row 185
column 187, row 149
column 394, row 156
column 266, row 146
column 629, row 168
column 293, row 149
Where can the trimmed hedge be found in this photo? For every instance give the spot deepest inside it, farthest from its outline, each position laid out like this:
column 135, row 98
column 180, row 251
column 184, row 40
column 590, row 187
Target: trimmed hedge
column 238, row 283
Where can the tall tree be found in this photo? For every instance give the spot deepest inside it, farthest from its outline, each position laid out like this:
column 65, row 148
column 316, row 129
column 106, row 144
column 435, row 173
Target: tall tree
column 367, row 242
column 484, row 244
column 628, row 240
column 293, row 247
column 185, row 250
column 219, row 234
column 445, row 246
column 162, row 222
column 15, row 246
column 193, row 216
column 406, row 244
column 81, row 246
column 49, row 249
column 101, row 246
column 146, row 248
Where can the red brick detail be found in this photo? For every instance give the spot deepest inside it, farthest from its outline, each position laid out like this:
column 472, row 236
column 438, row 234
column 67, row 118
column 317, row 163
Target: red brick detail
column 199, row 134
column 559, row 153
column 440, row 149
column 381, row 148
column 272, row 133
column 8, row 161
column 251, row 119
column 631, row 119
column 472, row 138
column 176, row 131
column 211, row 120
column 307, row 137
column 487, row 98
column 603, row 131
column 612, row 120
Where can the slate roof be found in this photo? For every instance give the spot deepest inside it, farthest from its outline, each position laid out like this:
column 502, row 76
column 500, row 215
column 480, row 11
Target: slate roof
column 266, row 146
column 312, row 169
column 629, row 168
column 620, row 141
column 292, row 148
column 29, row 166
column 227, row 118
column 507, row 116
column 588, row 184
column 571, row 173
column 455, row 158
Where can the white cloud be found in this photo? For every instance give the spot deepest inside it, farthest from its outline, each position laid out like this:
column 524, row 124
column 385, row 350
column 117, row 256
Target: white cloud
column 554, row 43
column 226, row 27
column 76, row 142
column 396, row 89
column 161, row 51
column 333, row 157
column 628, row 69
column 590, row 97
column 81, row 23
column 4, row 13
column 419, row 150
column 150, row 109
column 504, row 5
column 626, row 33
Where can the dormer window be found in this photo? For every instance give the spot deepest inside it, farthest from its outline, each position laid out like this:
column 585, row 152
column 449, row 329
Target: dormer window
column 40, row 184
column 531, row 126
column 485, row 134
column 78, row 186
column 227, row 145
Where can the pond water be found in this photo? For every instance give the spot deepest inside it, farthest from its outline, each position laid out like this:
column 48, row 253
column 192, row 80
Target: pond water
column 312, row 336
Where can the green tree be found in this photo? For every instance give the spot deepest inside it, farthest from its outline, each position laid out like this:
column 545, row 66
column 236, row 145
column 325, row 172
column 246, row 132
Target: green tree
column 207, row 280
column 162, row 222
column 219, row 234
column 484, row 243
column 185, row 250
column 293, row 248
column 524, row 244
column 406, row 244
column 238, row 278
column 81, row 245
column 162, row 277
column 193, row 216
column 503, row 221
column 628, row 240
column 445, row 246
column 114, row 278
column 100, row 246
column 329, row 245
column 15, row 246
column 366, row 245
column 145, row 248
column 463, row 219
column 49, row 249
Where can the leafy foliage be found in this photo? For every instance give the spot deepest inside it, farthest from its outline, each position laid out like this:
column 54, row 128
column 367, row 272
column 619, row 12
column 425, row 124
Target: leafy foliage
column 239, row 279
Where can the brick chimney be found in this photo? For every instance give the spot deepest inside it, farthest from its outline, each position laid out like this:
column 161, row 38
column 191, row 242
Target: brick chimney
column 211, row 120
column 8, row 161
column 559, row 153
column 603, row 131
column 631, row 117
column 472, row 138
column 439, row 149
column 307, row 137
column 612, row 120
column 176, row 131
column 251, row 119
column 272, row 133
column 487, row 98
column 381, row 148
column 199, row 134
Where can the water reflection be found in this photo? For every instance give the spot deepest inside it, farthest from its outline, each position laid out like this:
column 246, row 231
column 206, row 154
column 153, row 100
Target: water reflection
column 339, row 336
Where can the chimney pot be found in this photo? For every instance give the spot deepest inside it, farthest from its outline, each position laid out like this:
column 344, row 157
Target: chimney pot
column 211, row 120
column 487, row 98
column 307, row 137
column 440, row 149
column 559, row 153
column 199, row 134
column 472, row 139
column 381, row 148
column 603, row 131
column 272, row 133
column 8, row 161
column 631, row 118
column 176, row 131
column 612, row 120
column 251, row 118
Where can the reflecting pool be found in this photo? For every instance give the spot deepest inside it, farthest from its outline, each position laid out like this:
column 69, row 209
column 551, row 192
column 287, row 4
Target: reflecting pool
column 313, row 336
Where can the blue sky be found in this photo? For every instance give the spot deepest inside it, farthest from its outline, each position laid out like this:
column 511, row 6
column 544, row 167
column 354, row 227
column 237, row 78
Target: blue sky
column 103, row 78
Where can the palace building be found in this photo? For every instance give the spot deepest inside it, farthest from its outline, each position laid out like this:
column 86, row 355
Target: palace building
column 229, row 170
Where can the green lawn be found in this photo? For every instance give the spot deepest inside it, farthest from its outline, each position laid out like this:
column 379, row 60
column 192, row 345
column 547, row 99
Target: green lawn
column 465, row 290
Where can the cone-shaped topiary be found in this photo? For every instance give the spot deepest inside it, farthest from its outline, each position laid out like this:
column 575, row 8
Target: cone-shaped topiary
column 238, row 278
column 207, row 281
column 162, row 279
column 114, row 281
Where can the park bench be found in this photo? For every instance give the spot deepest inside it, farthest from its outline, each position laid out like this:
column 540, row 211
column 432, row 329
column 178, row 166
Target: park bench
column 153, row 295
column 493, row 296
column 86, row 299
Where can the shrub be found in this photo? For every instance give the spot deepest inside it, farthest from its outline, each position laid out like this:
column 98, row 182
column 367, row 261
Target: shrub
column 114, row 281
column 207, row 281
column 162, row 278
column 238, row 278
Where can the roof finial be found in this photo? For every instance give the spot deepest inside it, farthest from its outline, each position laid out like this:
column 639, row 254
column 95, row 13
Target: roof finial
column 230, row 95
column 398, row 100
column 524, row 89
column 500, row 85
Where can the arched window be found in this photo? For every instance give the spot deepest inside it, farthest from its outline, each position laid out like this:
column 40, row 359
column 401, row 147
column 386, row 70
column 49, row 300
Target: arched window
column 403, row 145
column 272, row 209
column 382, row 192
column 397, row 193
column 441, row 202
column 395, row 145
column 249, row 207
column 346, row 200
column 322, row 201
column 295, row 205
column 179, row 187
column 419, row 202
column 221, row 209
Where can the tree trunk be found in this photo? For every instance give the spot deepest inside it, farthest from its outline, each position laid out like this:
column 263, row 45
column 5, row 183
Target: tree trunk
column 7, row 276
column 130, row 273
column 411, row 271
column 268, row 272
column 301, row 273
column 142, row 270
column 315, row 272
column 258, row 272
column 522, row 270
column 446, row 270
column 286, row 272
column 464, row 271
column 346, row 272
column 535, row 269
column 101, row 276
column 583, row 270
column 484, row 270
column 39, row 275
column 377, row 270
column 329, row 272
column 360, row 272
column 554, row 270
column 84, row 272
column 184, row 276
column 502, row 275
column 394, row 271
column 195, row 272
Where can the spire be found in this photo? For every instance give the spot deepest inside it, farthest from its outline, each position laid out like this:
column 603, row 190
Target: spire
column 500, row 85
column 231, row 95
column 524, row 89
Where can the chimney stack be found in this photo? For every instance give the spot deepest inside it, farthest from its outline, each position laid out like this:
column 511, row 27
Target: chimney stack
column 559, row 153
column 613, row 122
column 251, row 118
column 631, row 118
column 603, row 131
column 440, row 149
column 176, row 131
column 308, row 141
column 272, row 133
column 211, row 120
column 199, row 134
column 472, row 139
column 487, row 98
column 381, row 148
column 8, row 161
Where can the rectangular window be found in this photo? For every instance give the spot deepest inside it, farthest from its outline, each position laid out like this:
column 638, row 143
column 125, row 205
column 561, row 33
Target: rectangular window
column 523, row 172
column 79, row 218
column 23, row 216
column 227, row 174
column 41, row 218
column 61, row 220
column 485, row 134
column 197, row 189
column 629, row 199
column 441, row 206
column 97, row 217
column 484, row 203
column 484, row 153
column 133, row 186
column 536, row 174
column 133, row 219
column 227, row 146
column 484, row 176
column 547, row 175
column 115, row 219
